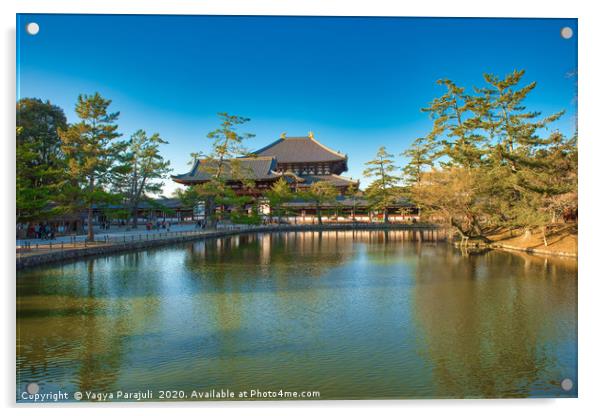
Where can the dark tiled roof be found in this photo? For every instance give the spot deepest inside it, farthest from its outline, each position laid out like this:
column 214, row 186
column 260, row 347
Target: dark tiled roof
column 161, row 202
column 336, row 180
column 346, row 201
column 156, row 203
column 300, row 149
column 255, row 168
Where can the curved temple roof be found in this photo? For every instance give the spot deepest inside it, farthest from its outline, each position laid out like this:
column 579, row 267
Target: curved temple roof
column 299, row 150
column 266, row 163
column 255, row 168
column 336, row 180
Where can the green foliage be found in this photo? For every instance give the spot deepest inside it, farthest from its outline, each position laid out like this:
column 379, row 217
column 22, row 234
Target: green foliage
column 40, row 164
column 354, row 193
column 91, row 151
column 243, row 218
column 279, row 194
column 490, row 166
column 119, row 214
column 221, row 164
column 141, row 170
column 320, row 193
column 189, row 197
column 420, row 156
column 382, row 192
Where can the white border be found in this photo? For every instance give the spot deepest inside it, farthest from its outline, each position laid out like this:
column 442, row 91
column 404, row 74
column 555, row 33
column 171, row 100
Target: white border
column 590, row 69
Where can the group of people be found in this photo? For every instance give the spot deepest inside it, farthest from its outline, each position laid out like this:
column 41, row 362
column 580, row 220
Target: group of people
column 164, row 225
column 41, row 231
column 105, row 225
column 201, row 224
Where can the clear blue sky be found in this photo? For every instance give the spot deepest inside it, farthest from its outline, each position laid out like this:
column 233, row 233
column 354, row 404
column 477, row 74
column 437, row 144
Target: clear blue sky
column 357, row 83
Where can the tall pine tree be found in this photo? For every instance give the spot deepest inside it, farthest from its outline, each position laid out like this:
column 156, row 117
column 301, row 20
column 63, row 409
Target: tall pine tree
column 90, row 148
column 383, row 191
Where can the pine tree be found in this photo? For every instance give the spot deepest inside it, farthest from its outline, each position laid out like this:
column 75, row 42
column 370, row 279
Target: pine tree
column 420, row 156
column 143, row 170
column 354, row 193
column 320, row 193
column 514, row 176
column 279, row 194
column 221, row 164
column 383, row 191
column 90, row 148
column 455, row 133
column 40, row 163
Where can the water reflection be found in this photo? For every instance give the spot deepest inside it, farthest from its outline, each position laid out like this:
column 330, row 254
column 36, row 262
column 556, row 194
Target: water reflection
column 495, row 325
column 353, row 314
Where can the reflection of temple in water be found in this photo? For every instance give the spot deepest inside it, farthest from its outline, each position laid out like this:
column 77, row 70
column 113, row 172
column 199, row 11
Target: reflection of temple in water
column 286, row 249
column 349, row 311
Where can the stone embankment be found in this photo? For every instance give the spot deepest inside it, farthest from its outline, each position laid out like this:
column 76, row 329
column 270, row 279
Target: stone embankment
column 60, row 254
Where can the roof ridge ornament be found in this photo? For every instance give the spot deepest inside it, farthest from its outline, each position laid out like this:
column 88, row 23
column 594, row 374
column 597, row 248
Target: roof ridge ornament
column 283, row 135
column 310, row 134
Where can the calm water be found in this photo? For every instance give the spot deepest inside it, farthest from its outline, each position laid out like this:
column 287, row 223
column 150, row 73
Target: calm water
column 348, row 314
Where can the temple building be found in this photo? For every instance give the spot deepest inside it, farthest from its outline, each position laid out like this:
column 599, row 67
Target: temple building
column 300, row 160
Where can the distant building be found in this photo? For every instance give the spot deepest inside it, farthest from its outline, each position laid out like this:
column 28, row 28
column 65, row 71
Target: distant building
column 301, row 161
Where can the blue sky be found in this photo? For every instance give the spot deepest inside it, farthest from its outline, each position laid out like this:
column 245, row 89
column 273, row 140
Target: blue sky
column 357, row 83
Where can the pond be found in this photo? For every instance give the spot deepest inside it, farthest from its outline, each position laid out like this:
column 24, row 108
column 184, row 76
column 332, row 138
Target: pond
column 348, row 314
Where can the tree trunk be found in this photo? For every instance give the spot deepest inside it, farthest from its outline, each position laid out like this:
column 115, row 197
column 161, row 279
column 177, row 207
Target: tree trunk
column 210, row 213
column 385, row 216
column 135, row 217
column 319, row 214
column 543, row 232
column 91, row 214
column 459, row 229
column 90, row 223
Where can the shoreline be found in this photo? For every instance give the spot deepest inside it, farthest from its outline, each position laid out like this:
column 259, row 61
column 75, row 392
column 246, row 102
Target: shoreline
column 505, row 247
column 104, row 249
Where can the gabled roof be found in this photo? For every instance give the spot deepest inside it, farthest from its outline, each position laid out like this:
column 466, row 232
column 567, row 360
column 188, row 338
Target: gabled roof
column 346, row 201
column 254, row 168
column 299, row 149
column 335, row 180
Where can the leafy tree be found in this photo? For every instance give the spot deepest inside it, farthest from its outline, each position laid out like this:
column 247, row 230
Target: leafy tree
column 221, row 164
column 279, row 194
column 420, row 156
column 456, row 129
column 354, row 193
column 515, row 177
column 382, row 192
column 90, row 149
column 452, row 196
column 144, row 170
column 320, row 193
column 237, row 203
column 40, row 163
column 189, row 197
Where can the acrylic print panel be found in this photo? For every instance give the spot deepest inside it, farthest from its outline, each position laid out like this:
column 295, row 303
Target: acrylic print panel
column 295, row 208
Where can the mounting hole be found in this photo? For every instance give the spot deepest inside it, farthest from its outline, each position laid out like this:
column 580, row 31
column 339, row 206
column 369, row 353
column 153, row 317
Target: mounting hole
column 32, row 28
column 32, row 388
column 567, row 384
column 566, row 32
